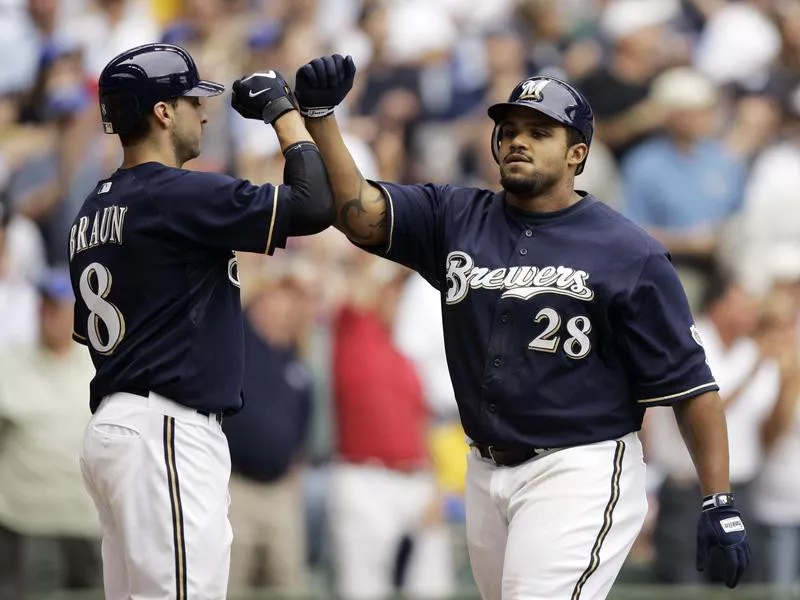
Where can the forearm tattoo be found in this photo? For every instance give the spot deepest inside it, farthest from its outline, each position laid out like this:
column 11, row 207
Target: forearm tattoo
column 359, row 224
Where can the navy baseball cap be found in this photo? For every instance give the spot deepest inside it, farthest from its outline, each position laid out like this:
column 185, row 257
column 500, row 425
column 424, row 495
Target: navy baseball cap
column 55, row 284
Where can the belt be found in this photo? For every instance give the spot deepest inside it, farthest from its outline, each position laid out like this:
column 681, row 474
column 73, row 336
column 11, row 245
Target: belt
column 509, row 457
column 146, row 394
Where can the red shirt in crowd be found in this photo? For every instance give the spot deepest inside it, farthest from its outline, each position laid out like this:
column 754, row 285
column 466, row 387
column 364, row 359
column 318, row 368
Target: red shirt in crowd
column 380, row 410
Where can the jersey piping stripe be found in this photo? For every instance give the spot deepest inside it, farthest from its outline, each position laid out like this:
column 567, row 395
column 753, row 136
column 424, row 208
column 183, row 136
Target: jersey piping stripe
column 272, row 218
column 391, row 217
column 178, row 535
column 679, row 394
column 608, row 517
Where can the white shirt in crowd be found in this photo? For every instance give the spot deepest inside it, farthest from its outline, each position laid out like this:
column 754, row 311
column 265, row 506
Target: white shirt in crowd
column 19, row 313
column 732, row 367
column 769, row 227
column 778, row 481
column 45, row 400
column 419, row 333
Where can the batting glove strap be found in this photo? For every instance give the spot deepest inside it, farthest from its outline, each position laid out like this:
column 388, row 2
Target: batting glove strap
column 276, row 108
column 723, row 528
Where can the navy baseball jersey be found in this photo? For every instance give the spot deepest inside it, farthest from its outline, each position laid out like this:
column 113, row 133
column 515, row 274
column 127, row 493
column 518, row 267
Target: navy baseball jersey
column 156, row 281
column 560, row 328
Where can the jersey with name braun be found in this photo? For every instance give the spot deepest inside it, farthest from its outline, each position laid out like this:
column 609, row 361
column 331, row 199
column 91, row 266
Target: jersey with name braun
column 560, row 328
column 152, row 263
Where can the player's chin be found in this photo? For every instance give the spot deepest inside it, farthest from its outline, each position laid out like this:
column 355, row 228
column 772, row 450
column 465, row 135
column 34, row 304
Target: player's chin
column 517, row 183
column 193, row 151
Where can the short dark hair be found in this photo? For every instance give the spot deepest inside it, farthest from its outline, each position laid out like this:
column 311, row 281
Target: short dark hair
column 574, row 137
column 141, row 128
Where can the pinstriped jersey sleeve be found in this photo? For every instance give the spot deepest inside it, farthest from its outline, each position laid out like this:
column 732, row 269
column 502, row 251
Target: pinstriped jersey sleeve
column 665, row 354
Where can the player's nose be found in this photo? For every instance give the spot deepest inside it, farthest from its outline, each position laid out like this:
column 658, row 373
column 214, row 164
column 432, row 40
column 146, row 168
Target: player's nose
column 517, row 147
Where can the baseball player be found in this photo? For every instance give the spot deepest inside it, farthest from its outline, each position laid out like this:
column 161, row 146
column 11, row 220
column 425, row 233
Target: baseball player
column 152, row 263
column 563, row 322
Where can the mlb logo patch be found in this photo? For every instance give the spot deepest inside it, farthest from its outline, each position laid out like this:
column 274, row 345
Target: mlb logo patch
column 104, row 188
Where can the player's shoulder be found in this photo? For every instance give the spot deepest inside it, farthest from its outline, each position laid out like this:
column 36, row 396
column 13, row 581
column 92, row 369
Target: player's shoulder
column 452, row 201
column 465, row 201
column 161, row 177
column 623, row 236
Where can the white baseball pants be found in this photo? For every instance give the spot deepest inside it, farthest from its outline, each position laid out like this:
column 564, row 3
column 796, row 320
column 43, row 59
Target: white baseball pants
column 158, row 474
column 557, row 527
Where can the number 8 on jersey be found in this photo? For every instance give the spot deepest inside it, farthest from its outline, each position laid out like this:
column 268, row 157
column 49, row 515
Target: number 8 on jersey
column 102, row 314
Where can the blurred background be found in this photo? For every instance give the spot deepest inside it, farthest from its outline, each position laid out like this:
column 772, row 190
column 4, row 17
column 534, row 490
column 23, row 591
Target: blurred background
column 348, row 465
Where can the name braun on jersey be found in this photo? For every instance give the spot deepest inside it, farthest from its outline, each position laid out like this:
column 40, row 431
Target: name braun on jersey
column 106, row 229
column 522, row 282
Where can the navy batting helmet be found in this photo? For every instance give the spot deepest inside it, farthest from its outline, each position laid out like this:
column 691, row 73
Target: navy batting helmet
column 552, row 97
column 133, row 82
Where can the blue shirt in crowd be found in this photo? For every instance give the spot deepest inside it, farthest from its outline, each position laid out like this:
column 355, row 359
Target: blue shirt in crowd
column 268, row 434
column 668, row 188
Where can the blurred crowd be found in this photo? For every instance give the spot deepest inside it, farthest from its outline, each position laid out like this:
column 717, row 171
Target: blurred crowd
column 349, row 460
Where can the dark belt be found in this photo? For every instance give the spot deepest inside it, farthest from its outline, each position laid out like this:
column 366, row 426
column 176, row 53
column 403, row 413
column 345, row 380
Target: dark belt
column 508, row 457
column 146, row 393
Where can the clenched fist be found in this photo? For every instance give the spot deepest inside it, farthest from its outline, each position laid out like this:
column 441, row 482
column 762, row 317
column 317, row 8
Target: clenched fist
column 323, row 83
column 263, row 96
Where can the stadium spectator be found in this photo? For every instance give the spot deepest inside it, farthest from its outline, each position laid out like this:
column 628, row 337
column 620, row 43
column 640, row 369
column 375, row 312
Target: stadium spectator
column 684, row 186
column 267, row 437
column 749, row 381
column 383, row 495
column 42, row 417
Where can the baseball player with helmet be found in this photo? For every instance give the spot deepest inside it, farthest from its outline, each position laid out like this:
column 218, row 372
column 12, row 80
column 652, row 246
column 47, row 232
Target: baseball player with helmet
column 563, row 322
column 152, row 263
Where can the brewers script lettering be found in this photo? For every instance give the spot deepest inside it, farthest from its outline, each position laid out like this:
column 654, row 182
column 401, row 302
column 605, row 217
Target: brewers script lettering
column 518, row 282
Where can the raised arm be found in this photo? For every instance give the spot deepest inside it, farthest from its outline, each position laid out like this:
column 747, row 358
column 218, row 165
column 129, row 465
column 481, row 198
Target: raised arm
column 266, row 96
column 361, row 208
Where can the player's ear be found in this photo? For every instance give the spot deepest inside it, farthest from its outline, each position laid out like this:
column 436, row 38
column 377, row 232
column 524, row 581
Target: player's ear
column 164, row 113
column 576, row 154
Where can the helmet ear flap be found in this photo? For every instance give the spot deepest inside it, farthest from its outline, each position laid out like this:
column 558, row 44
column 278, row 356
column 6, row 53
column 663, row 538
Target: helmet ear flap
column 496, row 143
column 120, row 112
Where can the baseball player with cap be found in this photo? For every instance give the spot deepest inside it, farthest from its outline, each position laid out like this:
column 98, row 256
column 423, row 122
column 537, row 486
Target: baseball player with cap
column 152, row 263
column 563, row 322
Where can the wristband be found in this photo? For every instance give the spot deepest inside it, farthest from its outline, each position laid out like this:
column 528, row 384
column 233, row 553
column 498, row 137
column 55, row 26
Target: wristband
column 317, row 112
column 721, row 500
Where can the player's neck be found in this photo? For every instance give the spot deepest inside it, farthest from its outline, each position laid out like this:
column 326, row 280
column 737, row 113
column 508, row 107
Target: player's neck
column 148, row 151
column 556, row 198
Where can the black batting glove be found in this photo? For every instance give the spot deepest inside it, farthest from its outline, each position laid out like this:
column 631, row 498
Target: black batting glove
column 720, row 525
column 262, row 96
column 323, row 83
